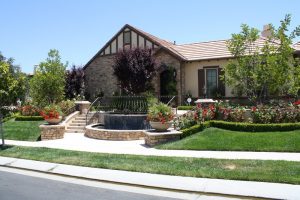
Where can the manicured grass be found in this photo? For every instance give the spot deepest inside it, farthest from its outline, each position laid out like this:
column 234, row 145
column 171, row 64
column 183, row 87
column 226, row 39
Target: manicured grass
column 225, row 140
column 252, row 170
column 22, row 130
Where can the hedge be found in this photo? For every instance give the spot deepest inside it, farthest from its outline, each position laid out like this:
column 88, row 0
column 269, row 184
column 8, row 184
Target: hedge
column 250, row 127
column 238, row 126
column 194, row 129
column 185, row 107
column 29, row 118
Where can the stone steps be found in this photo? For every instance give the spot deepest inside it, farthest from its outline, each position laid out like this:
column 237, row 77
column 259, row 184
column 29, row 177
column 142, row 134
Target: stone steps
column 74, row 131
column 78, row 124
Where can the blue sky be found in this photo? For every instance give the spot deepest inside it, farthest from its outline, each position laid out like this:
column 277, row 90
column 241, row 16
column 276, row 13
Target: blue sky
column 79, row 28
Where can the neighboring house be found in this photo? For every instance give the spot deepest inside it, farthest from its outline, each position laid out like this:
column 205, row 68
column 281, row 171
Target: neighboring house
column 197, row 66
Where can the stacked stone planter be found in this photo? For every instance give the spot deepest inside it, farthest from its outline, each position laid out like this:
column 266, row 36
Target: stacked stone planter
column 153, row 138
column 52, row 132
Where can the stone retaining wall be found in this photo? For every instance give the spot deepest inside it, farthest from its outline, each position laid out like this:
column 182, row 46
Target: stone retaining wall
column 153, row 138
column 52, row 132
column 105, row 134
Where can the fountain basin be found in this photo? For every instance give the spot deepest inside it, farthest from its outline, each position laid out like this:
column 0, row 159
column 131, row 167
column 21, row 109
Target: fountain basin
column 117, row 121
column 97, row 131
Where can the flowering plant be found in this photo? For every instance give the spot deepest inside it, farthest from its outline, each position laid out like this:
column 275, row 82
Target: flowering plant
column 51, row 112
column 204, row 114
column 29, row 110
column 297, row 103
column 160, row 112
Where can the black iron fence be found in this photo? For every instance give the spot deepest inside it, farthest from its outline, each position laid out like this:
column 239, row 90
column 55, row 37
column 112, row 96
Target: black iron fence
column 128, row 104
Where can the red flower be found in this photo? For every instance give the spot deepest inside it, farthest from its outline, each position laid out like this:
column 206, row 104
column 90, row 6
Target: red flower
column 253, row 109
column 296, row 103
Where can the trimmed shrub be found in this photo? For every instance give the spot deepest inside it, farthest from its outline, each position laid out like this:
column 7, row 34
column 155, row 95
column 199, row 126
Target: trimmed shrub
column 185, row 107
column 194, row 129
column 29, row 118
column 250, row 127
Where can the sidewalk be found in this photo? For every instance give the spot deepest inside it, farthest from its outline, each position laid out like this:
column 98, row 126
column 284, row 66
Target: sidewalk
column 187, row 184
column 77, row 141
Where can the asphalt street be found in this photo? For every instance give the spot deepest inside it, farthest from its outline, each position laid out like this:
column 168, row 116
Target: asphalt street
column 15, row 186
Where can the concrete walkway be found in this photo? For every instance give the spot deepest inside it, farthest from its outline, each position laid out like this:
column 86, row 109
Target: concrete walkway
column 185, row 184
column 77, row 141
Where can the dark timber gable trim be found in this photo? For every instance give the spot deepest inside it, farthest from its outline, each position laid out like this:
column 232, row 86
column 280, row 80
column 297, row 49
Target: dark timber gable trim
column 138, row 33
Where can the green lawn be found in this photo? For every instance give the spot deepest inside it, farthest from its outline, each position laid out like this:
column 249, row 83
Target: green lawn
column 225, row 140
column 252, row 170
column 22, row 130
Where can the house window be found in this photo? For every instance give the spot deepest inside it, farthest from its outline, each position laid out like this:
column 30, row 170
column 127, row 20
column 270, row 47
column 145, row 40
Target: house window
column 127, row 38
column 211, row 81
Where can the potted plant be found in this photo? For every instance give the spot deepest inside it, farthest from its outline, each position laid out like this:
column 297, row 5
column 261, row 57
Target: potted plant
column 52, row 114
column 160, row 116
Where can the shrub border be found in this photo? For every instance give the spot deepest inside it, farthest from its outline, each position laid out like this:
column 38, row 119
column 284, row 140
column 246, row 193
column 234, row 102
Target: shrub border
column 185, row 107
column 29, row 118
column 240, row 126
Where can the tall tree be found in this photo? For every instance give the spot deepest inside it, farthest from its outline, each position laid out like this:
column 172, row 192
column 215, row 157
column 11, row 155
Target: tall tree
column 48, row 83
column 135, row 69
column 12, row 82
column 268, row 70
column 74, row 82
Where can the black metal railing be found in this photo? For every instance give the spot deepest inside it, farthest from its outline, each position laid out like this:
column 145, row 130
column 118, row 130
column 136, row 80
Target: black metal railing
column 127, row 104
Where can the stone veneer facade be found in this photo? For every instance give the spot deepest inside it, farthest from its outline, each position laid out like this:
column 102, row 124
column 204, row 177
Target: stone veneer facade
column 99, row 75
column 165, row 58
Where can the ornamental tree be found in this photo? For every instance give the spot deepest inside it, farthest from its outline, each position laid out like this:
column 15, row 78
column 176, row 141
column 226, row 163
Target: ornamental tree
column 74, row 82
column 269, row 70
column 48, row 83
column 12, row 82
column 135, row 69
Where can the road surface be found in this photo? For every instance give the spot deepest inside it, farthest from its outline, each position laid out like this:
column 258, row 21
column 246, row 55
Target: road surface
column 15, row 186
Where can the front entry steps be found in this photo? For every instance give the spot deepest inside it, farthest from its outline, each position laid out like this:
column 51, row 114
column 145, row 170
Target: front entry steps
column 78, row 124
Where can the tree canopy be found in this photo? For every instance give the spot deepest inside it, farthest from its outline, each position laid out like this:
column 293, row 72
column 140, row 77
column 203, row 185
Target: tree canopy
column 48, row 83
column 74, row 83
column 261, row 72
column 12, row 82
column 135, row 69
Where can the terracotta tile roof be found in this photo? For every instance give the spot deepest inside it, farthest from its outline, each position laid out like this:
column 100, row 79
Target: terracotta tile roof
column 191, row 52
column 209, row 50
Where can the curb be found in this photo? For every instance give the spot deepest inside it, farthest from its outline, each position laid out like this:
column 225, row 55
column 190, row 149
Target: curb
column 165, row 182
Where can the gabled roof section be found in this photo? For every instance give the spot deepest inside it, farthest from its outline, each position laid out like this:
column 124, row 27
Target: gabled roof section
column 296, row 46
column 168, row 46
column 189, row 52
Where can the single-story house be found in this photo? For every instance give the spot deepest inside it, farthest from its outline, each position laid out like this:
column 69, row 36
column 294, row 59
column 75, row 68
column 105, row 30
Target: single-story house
column 197, row 66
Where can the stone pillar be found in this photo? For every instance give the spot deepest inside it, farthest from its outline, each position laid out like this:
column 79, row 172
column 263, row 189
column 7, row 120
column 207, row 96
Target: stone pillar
column 83, row 106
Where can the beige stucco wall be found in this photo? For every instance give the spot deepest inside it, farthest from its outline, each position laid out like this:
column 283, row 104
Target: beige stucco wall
column 191, row 75
column 133, row 39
